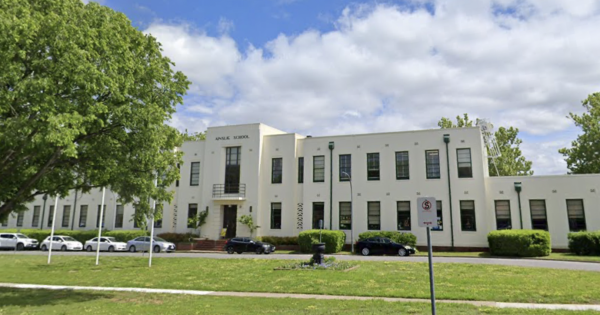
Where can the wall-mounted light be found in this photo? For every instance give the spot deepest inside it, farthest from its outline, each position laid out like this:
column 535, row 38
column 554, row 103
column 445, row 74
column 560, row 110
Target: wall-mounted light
column 446, row 138
column 331, row 145
column 518, row 186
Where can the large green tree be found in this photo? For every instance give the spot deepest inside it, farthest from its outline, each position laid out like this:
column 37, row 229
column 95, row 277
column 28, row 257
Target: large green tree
column 584, row 155
column 84, row 97
column 511, row 162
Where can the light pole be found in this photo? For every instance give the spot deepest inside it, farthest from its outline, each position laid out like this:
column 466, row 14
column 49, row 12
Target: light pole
column 351, row 211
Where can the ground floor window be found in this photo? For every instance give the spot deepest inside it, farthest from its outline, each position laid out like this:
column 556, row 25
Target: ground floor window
column 440, row 218
column 20, row 217
column 345, row 215
column 50, row 216
column 119, row 217
column 374, row 215
column 403, row 214
column 503, row 219
column 539, row 220
column 318, row 214
column 576, row 215
column 35, row 221
column 103, row 216
column 83, row 215
column 192, row 212
column 276, row 216
column 66, row 216
column 467, row 215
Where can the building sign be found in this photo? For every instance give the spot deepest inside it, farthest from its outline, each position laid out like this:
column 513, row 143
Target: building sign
column 239, row 137
column 427, row 212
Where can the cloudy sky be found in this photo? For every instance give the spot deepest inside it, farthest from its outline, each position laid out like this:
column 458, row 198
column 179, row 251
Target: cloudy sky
column 343, row 67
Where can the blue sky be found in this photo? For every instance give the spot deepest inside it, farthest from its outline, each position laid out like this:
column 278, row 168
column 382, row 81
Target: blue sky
column 344, row 67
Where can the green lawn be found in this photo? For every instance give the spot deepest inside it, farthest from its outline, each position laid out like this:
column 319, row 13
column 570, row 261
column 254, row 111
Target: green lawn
column 388, row 279
column 552, row 256
column 77, row 302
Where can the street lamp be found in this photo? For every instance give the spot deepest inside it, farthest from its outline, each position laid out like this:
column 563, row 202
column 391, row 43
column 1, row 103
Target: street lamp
column 351, row 211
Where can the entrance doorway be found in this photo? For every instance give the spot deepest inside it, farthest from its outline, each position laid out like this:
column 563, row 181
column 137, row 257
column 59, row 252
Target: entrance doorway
column 230, row 220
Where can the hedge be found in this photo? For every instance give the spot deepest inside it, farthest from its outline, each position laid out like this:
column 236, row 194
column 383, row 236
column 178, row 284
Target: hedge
column 519, row 243
column 585, row 243
column 82, row 236
column 398, row 237
column 177, row 237
column 334, row 240
column 279, row 240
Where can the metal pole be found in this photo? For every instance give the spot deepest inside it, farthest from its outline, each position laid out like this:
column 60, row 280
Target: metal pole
column 115, row 218
column 100, row 226
column 41, row 222
column 330, row 185
column 351, row 212
column 74, row 211
column 431, row 283
column 520, row 213
column 150, row 250
column 52, row 232
column 446, row 140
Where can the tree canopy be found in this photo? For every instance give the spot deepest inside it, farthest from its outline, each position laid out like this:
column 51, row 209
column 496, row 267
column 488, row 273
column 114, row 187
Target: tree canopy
column 84, row 97
column 511, row 162
column 584, row 155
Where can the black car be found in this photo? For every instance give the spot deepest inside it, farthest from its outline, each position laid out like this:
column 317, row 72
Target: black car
column 247, row 244
column 382, row 246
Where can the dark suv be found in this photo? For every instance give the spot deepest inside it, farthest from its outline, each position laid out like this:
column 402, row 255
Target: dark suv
column 247, row 244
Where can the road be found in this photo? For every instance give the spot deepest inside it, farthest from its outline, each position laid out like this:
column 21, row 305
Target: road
column 585, row 266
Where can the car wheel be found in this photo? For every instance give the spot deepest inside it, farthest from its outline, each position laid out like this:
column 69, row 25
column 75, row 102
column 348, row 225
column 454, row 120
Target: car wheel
column 402, row 252
column 230, row 250
column 44, row 248
column 156, row 249
column 259, row 251
column 89, row 248
column 267, row 252
column 365, row 251
column 63, row 248
column 20, row 246
column 111, row 249
column 239, row 252
column 132, row 249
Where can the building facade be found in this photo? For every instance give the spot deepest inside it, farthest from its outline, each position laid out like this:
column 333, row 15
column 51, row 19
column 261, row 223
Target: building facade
column 288, row 183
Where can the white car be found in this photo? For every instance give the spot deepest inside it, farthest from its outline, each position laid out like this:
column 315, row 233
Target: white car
column 63, row 243
column 106, row 244
column 17, row 241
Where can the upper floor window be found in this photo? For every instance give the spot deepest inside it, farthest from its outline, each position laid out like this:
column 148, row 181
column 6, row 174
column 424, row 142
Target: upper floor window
column 372, row 166
column 402, row 165
column 277, row 170
column 345, row 167
column 300, row 170
column 319, row 168
column 576, row 215
column 539, row 220
column 467, row 215
column 432, row 163
column 503, row 220
column 195, row 174
column 465, row 169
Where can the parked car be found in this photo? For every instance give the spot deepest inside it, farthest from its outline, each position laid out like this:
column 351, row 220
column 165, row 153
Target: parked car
column 142, row 244
column 106, row 244
column 382, row 246
column 17, row 241
column 63, row 243
column 247, row 244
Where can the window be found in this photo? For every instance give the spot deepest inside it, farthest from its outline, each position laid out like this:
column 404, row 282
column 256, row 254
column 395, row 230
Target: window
column 440, row 217
column 195, row 174
column 403, row 215
column 300, row 170
column 503, row 220
column 402, row 165
column 432, row 163
column 539, row 221
column 66, row 216
column 83, row 215
column 372, row 166
column 463, row 156
column 467, row 215
column 374, row 215
column 50, row 216
column 103, row 216
column 20, row 217
column 192, row 213
column 158, row 223
column 345, row 167
column 319, row 168
column 179, row 172
column 276, row 216
column 4, row 221
column 36, row 216
column 345, row 215
column 318, row 214
column 119, row 216
column 276, row 170
column 233, row 159
column 576, row 215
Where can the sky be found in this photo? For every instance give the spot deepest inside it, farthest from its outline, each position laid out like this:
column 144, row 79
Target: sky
column 336, row 67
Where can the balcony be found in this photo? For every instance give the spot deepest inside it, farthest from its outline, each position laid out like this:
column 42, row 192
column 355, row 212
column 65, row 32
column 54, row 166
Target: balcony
column 229, row 192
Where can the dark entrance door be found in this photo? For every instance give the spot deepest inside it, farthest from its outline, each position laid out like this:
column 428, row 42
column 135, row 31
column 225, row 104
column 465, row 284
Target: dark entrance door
column 233, row 156
column 230, row 220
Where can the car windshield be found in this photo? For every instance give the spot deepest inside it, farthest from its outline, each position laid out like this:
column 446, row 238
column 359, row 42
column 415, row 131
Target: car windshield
column 158, row 239
column 22, row 236
column 69, row 239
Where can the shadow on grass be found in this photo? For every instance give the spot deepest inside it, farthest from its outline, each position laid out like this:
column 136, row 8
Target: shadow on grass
column 32, row 297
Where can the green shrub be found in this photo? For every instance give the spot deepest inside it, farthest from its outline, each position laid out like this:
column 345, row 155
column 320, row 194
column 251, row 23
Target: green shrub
column 279, row 240
column 334, row 240
column 177, row 237
column 585, row 243
column 519, row 243
column 398, row 237
column 125, row 235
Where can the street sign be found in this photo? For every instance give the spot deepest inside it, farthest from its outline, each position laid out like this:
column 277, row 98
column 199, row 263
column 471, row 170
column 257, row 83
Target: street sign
column 427, row 212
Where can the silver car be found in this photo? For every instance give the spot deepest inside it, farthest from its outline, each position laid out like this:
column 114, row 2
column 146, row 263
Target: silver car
column 106, row 244
column 142, row 244
column 17, row 241
column 61, row 242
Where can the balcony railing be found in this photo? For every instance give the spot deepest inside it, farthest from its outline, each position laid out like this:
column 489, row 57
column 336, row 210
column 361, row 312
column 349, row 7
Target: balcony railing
column 229, row 191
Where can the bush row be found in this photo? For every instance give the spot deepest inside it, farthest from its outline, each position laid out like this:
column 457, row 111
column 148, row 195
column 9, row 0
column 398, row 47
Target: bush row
column 334, row 240
column 398, row 237
column 279, row 240
column 177, row 237
column 585, row 243
column 82, row 236
column 519, row 243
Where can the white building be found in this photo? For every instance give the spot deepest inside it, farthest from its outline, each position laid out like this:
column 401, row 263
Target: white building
column 288, row 182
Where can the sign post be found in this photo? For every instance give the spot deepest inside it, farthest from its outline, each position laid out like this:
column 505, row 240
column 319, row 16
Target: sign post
column 427, row 216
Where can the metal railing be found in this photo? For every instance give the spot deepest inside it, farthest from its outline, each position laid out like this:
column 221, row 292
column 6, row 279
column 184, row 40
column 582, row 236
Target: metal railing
column 229, row 191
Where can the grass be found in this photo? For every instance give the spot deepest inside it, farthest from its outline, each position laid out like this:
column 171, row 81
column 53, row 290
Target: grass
column 373, row 278
column 77, row 302
column 552, row 256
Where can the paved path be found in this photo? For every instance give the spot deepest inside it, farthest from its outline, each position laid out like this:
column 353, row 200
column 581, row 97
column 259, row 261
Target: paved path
column 572, row 307
column 570, row 265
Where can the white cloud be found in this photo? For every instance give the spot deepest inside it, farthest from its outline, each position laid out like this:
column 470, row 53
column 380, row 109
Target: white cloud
column 522, row 63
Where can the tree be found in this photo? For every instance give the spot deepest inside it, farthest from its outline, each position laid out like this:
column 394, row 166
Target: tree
column 84, row 97
column 584, row 155
column 249, row 222
column 199, row 220
column 511, row 162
